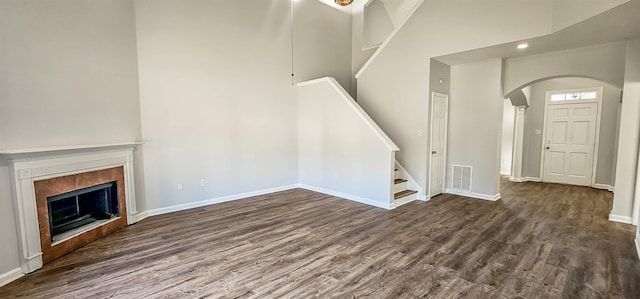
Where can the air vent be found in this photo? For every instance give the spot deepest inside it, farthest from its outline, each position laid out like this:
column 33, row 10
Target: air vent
column 461, row 178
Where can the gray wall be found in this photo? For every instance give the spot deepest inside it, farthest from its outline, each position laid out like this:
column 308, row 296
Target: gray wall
column 475, row 123
column 534, row 118
column 68, row 76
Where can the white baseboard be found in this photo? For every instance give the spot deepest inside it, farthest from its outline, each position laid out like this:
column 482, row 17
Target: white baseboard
column 359, row 199
column 474, row 195
column 142, row 215
column 525, row 179
column 207, row 202
column 10, row 276
column 638, row 247
column 604, row 187
column 618, row 218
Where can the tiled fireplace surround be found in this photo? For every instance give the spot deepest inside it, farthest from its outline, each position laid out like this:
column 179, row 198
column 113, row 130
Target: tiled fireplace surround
column 39, row 173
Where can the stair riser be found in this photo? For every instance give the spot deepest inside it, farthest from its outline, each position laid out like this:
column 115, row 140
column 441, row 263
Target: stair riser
column 399, row 187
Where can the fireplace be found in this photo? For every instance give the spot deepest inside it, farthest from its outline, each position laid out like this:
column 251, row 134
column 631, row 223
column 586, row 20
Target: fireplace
column 67, row 197
column 77, row 211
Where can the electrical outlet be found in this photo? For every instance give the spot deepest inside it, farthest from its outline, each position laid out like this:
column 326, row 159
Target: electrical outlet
column 180, row 187
column 203, row 183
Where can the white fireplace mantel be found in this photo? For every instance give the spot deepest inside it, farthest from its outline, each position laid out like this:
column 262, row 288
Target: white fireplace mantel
column 30, row 165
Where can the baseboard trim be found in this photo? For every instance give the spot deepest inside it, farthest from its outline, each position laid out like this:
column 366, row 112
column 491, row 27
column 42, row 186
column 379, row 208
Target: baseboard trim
column 347, row 196
column 621, row 219
column 202, row 203
column 474, row 195
column 10, row 276
column 525, row 179
column 141, row 215
column 604, row 187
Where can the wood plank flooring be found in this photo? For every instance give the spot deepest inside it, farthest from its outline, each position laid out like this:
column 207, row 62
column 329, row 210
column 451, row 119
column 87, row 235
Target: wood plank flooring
column 539, row 241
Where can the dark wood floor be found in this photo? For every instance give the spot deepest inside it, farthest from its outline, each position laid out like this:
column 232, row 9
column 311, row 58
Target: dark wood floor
column 539, row 241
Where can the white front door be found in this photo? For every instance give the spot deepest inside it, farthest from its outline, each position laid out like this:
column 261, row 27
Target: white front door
column 439, row 111
column 569, row 143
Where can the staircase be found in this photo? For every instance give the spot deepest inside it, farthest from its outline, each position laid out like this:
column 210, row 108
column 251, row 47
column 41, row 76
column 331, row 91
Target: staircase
column 401, row 192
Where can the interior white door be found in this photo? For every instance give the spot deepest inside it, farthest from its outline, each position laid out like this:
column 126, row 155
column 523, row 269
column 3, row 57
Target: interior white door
column 439, row 113
column 570, row 143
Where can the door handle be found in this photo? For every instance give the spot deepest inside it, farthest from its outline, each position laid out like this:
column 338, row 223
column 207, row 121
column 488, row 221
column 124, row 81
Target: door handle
column 433, row 152
column 548, row 147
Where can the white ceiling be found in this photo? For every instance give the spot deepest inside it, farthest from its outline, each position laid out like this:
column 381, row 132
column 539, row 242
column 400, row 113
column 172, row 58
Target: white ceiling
column 619, row 23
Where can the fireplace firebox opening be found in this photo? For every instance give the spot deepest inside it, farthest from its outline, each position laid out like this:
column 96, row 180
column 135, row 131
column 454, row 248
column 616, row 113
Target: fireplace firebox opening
column 80, row 210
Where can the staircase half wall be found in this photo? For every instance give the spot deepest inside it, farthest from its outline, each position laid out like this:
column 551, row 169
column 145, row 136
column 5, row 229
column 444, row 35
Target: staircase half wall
column 342, row 152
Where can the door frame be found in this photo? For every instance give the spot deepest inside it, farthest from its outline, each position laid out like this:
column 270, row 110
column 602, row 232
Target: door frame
column 446, row 135
column 599, row 93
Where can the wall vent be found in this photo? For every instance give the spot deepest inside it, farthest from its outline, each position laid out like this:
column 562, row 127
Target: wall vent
column 461, row 178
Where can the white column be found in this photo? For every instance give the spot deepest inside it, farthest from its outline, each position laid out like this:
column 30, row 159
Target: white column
column 518, row 145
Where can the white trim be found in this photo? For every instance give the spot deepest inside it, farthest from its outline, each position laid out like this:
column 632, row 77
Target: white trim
column 356, row 108
column 612, row 188
column 638, row 247
column 474, row 195
column 403, row 201
column 66, row 148
column 599, row 91
column 411, row 182
column 359, row 199
column 506, row 173
column 142, row 215
column 387, row 40
column 367, row 48
column 618, row 218
column 10, row 276
column 207, row 202
column 525, row 179
column 446, row 135
column 603, row 187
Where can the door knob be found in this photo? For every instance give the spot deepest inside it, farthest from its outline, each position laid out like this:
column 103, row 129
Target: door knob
column 433, row 152
column 548, row 147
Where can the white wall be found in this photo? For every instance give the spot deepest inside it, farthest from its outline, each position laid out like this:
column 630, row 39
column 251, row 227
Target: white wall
column 534, row 120
column 601, row 62
column 569, row 12
column 629, row 134
column 508, row 123
column 394, row 87
column 322, row 42
column 68, row 76
column 377, row 24
column 339, row 149
column 217, row 101
column 475, row 123
column 399, row 10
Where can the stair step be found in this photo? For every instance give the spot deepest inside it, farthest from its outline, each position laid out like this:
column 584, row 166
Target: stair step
column 399, row 181
column 404, row 193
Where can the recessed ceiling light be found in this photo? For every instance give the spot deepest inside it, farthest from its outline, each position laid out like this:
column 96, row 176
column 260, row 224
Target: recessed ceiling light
column 523, row 46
